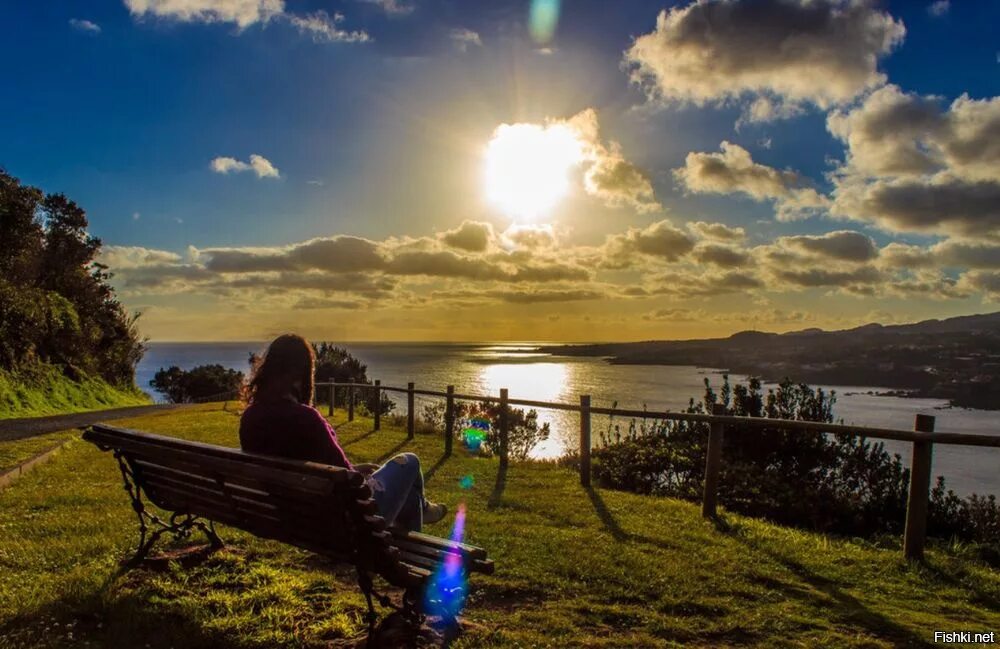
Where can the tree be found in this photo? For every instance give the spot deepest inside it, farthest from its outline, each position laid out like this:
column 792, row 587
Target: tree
column 204, row 381
column 57, row 305
column 337, row 364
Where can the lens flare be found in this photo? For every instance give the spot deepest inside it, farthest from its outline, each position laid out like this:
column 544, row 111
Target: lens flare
column 543, row 19
column 474, row 434
column 448, row 587
column 467, row 482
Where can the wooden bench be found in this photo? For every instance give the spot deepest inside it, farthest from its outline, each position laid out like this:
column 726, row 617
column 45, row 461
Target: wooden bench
column 321, row 508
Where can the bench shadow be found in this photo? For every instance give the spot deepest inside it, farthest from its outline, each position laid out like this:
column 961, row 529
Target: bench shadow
column 498, row 488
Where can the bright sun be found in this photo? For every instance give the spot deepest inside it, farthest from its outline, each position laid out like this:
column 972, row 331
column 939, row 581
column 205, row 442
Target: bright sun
column 527, row 167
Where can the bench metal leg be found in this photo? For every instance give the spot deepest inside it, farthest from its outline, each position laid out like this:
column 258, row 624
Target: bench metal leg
column 180, row 529
column 365, row 583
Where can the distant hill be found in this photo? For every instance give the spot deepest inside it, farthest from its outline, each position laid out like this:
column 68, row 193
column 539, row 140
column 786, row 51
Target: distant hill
column 956, row 358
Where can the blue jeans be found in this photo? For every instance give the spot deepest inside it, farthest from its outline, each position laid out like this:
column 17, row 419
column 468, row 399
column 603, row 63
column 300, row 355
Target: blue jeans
column 398, row 489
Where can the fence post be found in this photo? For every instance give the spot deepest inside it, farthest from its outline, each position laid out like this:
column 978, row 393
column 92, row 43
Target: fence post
column 333, row 392
column 585, row 440
column 920, row 484
column 378, row 404
column 504, row 430
column 350, row 403
column 410, row 421
column 713, row 459
column 449, row 420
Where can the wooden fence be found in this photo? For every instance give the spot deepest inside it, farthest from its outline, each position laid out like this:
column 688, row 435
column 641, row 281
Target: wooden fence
column 923, row 437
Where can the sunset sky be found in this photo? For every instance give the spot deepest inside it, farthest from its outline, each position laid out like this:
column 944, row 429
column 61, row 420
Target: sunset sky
column 581, row 171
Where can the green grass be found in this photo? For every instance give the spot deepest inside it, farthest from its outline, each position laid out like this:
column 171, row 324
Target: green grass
column 14, row 453
column 574, row 568
column 46, row 391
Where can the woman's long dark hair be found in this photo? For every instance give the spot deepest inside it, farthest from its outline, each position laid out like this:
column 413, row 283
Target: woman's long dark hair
column 289, row 359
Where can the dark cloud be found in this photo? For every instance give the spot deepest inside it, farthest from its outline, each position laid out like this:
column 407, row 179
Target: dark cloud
column 471, row 236
column 843, row 245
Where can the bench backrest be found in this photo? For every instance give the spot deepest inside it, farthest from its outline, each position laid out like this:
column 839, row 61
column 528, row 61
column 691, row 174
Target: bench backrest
column 317, row 507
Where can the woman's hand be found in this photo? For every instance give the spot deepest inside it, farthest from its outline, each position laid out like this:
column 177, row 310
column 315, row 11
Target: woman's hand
column 367, row 468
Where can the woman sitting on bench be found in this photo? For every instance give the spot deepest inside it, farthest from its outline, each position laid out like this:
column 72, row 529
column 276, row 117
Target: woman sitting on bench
column 280, row 420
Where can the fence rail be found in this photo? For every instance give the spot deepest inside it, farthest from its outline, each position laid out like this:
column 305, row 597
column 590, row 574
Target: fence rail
column 923, row 438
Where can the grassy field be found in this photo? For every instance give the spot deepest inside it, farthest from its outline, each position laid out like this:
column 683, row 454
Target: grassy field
column 575, row 567
column 48, row 392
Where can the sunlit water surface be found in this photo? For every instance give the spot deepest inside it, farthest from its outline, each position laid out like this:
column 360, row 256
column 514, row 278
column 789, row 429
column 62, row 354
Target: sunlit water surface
column 484, row 368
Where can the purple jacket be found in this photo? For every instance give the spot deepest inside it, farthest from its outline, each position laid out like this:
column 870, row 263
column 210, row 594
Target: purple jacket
column 290, row 430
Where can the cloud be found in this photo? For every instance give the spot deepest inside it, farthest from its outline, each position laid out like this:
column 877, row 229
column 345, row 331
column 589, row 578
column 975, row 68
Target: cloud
column 717, row 231
column 241, row 12
column 734, row 171
column 691, row 283
column 914, row 165
column 820, row 277
column 84, row 25
column 823, row 52
column 843, row 245
column 124, row 257
column 609, row 176
column 258, row 164
column 529, row 236
column 324, row 28
column 661, row 240
column 939, row 7
column 471, row 235
column 720, row 255
column 462, row 38
column 982, row 281
column 954, row 253
column 392, row 7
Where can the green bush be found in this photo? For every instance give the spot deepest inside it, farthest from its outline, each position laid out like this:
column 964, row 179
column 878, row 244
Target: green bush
column 199, row 383
column 832, row 483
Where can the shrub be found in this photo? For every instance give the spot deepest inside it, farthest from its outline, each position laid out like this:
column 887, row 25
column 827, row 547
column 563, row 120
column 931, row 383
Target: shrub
column 204, row 381
column 844, row 484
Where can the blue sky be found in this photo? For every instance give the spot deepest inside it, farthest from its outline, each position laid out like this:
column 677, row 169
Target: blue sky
column 379, row 132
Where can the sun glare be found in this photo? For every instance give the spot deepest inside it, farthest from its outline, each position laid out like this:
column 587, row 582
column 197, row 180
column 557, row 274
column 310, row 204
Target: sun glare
column 527, row 167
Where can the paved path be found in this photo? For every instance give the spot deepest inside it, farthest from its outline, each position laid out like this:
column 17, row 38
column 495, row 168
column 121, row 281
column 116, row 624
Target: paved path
column 11, row 429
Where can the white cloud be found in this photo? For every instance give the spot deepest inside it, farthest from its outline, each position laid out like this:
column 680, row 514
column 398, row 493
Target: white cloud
column 463, row 38
column 787, row 52
column 939, row 7
column 734, row 171
column 915, row 165
column 84, row 25
column 241, row 12
column 393, row 7
column 258, row 164
column 609, row 176
column 325, row 28
column 320, row 25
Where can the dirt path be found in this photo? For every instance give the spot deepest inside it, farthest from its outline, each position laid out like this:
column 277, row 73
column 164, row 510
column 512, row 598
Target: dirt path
column 11, row 429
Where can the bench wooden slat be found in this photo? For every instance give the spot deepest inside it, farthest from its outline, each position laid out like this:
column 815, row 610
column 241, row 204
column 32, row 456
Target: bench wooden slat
column 259, row 478
column 304, row 506
column 420, row 539
column 113, row 436
column 438, row 555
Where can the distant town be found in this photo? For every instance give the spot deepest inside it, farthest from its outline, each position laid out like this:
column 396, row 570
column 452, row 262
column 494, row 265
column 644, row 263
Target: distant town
column 957, row 359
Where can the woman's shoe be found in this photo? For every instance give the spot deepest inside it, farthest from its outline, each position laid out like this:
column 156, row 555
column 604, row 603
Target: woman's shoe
column 433, row 512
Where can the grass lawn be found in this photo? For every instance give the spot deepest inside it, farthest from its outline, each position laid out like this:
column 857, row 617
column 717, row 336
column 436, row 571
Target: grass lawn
column 575, row 567
column 46, row 391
